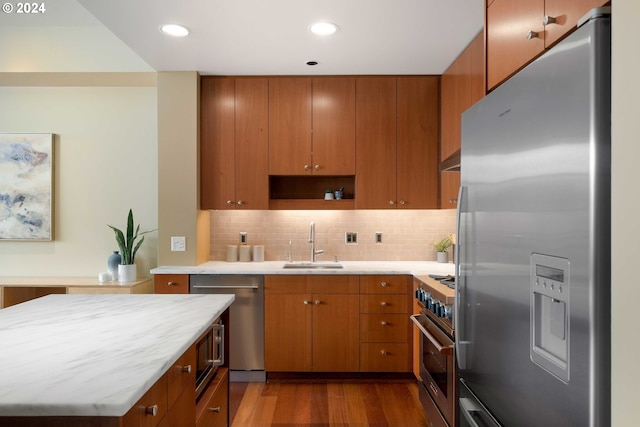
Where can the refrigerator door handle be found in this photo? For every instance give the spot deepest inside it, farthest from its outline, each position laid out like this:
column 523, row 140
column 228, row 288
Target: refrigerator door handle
column 458, row 302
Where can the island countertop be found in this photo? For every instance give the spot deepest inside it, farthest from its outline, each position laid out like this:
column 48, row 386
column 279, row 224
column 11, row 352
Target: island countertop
column 94, row 355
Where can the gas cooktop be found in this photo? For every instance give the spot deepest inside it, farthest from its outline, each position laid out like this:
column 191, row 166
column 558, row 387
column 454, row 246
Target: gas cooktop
column 447, row 280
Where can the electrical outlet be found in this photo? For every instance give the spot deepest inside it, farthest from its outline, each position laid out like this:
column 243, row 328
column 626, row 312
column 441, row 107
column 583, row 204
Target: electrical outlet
column 243, row 237
column 378, row 236
column 178, row 243
column 350, row 238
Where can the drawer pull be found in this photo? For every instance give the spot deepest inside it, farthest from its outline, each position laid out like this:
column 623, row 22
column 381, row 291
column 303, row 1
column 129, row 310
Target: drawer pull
column 383, row 323
column 186, row 369
column 306, row 302
column 383, row 353
column 318, row 302
column 383, row 284
column 384, row 303
column 171, row 284
column 215, row 409
column 151, row 410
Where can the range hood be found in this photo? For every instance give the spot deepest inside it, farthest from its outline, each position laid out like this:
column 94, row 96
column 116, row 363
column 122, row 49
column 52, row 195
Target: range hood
column 451, row 163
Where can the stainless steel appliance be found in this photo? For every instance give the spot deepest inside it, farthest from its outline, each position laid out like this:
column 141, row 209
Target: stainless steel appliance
column 209, row 355
column 533, row 304
column 246, row 321
column 437, row 358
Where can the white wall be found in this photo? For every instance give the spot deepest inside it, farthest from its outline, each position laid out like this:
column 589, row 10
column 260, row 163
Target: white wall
column 105, row 162
column 625, row 207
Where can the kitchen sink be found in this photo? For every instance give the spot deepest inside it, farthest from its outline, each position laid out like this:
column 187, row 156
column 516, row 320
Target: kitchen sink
column 313, row 265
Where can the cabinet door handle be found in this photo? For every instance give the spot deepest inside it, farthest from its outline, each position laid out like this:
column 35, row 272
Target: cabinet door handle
column 186, row 369
column 214, row 409
column 532, row 35
column 306, row 167
column 151, row 410
column 383, row 303
column 317, row 167
column 391, row 202
column 383, row 353
column 383, row 284
column 383, row 323
column 229, row 202
column 171, row 284
column 318, row 302
column 402, row 202
column 240, row 202
column 548, row 20
column 306, row 302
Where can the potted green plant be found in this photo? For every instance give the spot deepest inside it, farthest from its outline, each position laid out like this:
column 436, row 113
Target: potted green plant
column 441, row 248
column 129, row 244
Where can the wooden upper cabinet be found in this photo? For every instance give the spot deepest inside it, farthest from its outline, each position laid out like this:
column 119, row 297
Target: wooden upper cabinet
column 290, row 126
column 252, row 143
column 417, row 142
column 508, row 22
column 509, row 43
column 564, row 15
column 233, row 143
column 217, row 158
column 312, row 126
column 462, row 85
column 334, row 131
column 375, row 142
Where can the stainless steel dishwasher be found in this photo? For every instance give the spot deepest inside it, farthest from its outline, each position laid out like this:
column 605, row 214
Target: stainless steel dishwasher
column 246, row 321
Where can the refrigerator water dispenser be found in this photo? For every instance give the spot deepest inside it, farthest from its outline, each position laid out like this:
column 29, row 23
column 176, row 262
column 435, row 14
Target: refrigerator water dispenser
column 550, row 332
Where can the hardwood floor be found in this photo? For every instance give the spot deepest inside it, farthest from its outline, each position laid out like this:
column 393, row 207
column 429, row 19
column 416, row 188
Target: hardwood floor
column 326, row 404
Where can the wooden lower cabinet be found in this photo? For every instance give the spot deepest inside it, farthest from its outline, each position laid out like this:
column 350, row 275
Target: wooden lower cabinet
column 213, row 408
column 171, row 284
column 386, row 340
column 311, row 323
column 338, row 323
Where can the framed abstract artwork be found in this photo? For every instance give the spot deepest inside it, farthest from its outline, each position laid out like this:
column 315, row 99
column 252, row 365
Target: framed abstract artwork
column 26, row 186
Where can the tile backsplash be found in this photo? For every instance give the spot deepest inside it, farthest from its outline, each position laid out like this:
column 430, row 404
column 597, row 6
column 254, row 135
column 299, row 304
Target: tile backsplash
column 407, row 235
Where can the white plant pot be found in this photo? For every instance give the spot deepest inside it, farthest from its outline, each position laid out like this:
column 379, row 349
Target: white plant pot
column 127, row 273
column 442, row 256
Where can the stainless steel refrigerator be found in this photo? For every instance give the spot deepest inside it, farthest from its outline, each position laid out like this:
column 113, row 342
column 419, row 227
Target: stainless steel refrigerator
column 533, row 272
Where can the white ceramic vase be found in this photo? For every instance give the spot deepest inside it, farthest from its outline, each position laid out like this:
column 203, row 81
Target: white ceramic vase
column 442, row 256
column 127, row 273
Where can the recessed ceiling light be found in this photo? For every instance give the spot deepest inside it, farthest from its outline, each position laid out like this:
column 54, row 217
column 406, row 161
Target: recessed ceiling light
column 323, row 28
column 174, row 30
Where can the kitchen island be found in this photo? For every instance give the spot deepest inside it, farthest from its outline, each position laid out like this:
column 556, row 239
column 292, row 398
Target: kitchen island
column 85, row 356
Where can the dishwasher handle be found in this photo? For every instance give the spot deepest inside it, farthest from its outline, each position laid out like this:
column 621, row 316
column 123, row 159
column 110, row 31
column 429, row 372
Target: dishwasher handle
column 225, row 286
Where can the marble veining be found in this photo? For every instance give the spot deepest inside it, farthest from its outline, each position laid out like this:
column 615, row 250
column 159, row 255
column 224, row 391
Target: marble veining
column 94, row 355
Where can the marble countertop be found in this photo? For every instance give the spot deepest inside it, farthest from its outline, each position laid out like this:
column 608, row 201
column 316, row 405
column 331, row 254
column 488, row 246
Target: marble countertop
column 415, row 268
column 94, row 355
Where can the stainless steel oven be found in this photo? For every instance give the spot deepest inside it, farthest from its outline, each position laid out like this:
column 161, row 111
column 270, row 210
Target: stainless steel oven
column 434, row 322
column 209, row 355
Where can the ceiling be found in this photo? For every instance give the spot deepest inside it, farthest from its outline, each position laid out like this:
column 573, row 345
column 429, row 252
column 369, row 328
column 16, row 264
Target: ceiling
column 241, row 37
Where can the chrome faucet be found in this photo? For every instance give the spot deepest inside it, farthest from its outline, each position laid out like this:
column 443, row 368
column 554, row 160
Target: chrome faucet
column 312, row 240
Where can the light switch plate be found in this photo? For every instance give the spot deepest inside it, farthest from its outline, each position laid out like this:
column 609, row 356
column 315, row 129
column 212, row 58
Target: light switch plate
column 178, row 243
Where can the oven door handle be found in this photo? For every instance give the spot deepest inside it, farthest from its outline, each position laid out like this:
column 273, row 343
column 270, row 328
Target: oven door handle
column 443, row 349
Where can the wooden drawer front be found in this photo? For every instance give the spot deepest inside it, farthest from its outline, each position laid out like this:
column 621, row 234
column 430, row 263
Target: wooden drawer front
column 392, row 303
column 384, row 284
column 182, row 375
column 332, row 284
column 301, row 283
column 384, row 357
column 139, row 415
column 182, row 412
column 171, row 284
column 213, row 407
column 384, row 328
